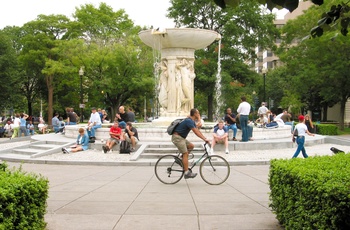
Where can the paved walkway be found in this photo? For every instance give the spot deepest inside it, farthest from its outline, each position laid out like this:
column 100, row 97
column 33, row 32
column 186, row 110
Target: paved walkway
column 130, row 197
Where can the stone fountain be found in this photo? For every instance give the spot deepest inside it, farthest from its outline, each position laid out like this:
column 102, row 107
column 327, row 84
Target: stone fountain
column 176, row 81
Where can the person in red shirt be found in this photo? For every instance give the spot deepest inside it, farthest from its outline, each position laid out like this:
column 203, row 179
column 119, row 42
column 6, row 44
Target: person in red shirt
column 115, row 133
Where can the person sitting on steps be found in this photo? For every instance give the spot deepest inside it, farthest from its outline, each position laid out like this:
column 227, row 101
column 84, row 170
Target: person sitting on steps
column 93, row 124
column 131, row 135
column 82, row 143
column 115, row 133
column 230, row 119
column 220, row 136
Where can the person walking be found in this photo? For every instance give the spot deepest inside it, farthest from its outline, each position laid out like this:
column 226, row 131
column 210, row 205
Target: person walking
column 184, row 146
column 302, row 130
column 243, row 111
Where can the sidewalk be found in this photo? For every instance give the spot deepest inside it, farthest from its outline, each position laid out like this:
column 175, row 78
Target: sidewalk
column 131, row 197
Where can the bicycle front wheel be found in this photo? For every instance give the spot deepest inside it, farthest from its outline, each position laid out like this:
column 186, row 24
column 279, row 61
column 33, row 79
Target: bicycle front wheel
column 214, row 170
column 169, row 169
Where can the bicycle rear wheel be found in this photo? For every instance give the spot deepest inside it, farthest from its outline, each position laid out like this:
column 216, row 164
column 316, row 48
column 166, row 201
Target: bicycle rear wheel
column 169, row 169
column 214, row 170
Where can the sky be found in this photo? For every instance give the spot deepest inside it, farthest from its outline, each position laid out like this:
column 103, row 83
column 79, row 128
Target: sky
column 142, row 12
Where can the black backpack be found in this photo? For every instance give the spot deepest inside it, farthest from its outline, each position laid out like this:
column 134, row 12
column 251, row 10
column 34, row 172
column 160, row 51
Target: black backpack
column 125, row 147
column 173, row 125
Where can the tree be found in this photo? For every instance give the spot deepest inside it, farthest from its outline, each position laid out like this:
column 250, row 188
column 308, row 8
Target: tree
column 242, row 29
column 327, row 74
column 40, row 41
column 291, row 5
column 116, row 62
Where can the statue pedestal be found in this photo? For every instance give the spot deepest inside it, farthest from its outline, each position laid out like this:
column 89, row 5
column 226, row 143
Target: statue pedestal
column 176, row 82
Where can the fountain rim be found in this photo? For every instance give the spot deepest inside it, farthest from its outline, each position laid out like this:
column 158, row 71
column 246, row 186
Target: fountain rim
column 149, row 37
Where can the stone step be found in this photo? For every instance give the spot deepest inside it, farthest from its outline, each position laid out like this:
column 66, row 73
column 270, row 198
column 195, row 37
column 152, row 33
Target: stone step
column 44, row 146
column 26, row 151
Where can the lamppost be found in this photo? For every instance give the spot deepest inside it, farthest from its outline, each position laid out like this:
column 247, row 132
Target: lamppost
column 264, row 71
column 81, row 73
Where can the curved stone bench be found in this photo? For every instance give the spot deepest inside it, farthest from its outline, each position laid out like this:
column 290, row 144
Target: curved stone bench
column 155, row 134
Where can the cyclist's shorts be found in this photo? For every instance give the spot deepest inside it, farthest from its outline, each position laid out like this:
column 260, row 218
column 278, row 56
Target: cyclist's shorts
column 180, row 142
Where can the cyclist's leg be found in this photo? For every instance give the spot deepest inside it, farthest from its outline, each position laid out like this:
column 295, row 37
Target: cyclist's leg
column 189, row 147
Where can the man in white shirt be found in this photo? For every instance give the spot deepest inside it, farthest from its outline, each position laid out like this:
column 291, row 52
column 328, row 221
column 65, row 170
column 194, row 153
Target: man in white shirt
column 243, row 111
column 93, row 124
column 262, row 110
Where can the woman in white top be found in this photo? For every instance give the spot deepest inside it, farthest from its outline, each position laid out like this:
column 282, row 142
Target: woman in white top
column 302, row 131
column 16, row 123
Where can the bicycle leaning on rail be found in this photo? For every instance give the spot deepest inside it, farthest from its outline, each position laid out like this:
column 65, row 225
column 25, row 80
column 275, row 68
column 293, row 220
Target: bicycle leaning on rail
column 213, row 169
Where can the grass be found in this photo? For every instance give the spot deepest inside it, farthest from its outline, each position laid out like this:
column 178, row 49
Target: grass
column 346, row 131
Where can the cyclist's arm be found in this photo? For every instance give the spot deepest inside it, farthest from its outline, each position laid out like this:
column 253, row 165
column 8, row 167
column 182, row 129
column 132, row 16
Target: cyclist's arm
column 199, row 134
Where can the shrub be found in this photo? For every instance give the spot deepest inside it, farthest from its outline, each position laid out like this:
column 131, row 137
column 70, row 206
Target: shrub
column 311, row 193
column 326, row 129
column 22, row 200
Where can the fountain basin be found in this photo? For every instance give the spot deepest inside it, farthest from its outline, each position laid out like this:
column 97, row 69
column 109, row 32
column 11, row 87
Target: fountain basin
column 179, row 38
column 149, row 133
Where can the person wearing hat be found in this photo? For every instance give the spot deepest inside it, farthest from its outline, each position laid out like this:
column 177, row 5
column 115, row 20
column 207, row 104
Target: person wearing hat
column 93, row 124
column 300, row 140
column 262, row 110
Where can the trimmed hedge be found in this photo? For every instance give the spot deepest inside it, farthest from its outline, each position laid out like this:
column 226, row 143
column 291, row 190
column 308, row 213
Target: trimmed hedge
column 312, row 193
column 326, row 129
column 22, row 199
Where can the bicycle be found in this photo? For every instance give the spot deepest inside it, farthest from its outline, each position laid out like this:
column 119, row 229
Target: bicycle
column 213, row 169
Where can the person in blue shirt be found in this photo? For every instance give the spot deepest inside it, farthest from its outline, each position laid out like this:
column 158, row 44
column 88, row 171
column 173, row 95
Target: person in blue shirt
column 30, row 128
column 56, row 123
column 82, row 143
column 220, row 136
column 184, row 146
column 23, row 125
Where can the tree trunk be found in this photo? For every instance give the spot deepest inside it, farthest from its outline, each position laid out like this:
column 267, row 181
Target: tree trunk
column 30, row 109
column 324, row 111
column 49, row 83
column 210, row 107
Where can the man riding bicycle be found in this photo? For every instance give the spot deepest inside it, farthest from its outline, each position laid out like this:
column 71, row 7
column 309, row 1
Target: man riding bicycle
column 184, row 146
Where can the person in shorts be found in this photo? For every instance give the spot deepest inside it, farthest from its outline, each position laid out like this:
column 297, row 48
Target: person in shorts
column 220, row 136
column 131, row 135
column 184, row 146
column 115, row 133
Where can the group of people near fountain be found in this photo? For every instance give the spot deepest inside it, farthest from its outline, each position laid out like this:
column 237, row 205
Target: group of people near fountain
column 116, row 133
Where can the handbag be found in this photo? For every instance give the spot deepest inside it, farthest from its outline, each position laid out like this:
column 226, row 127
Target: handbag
column 295, row 134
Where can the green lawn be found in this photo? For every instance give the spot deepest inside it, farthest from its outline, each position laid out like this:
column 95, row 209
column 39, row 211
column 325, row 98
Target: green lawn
column 346, row 131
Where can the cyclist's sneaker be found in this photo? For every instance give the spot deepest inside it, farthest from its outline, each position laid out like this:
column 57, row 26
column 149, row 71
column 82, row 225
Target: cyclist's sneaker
column 227, row 152
column 190, row 175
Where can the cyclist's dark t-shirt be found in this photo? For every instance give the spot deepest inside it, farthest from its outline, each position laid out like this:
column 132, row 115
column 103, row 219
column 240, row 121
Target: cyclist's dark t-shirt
column 185, row 127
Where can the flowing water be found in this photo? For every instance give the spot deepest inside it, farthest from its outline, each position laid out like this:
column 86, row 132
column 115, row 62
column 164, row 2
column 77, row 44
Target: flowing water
column 218, row 86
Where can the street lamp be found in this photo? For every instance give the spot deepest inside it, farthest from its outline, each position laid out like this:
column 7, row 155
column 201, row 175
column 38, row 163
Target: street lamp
column 81, row 73
column 264, row 71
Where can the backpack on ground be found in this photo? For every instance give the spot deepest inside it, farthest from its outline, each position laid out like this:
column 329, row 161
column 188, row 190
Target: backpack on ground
column 173, row 125
column 125, row 147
